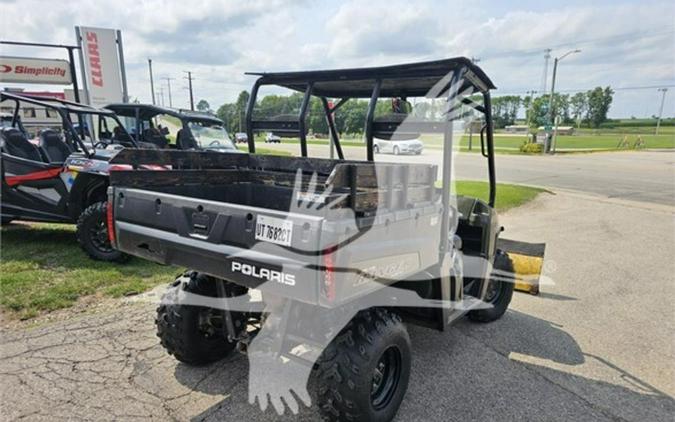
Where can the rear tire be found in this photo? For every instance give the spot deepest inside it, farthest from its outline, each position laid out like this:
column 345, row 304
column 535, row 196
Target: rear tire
column 92, row 233
column 363, row 374
column 500, row 290
column 193, row 334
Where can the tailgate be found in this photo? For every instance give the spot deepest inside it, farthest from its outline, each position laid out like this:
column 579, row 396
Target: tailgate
column 219, row 238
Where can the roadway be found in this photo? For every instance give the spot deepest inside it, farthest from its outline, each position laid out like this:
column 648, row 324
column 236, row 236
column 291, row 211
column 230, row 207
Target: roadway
column 647, row 176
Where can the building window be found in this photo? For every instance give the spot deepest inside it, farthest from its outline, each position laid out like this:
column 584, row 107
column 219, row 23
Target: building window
column 48, row 113
column 29, row 112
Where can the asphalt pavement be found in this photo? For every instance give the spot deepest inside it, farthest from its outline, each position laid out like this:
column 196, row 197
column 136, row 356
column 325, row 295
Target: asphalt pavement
column 595, row 345
column 647, row 176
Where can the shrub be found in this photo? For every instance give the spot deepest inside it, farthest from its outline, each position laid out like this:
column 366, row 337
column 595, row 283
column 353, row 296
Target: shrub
column 531, row 148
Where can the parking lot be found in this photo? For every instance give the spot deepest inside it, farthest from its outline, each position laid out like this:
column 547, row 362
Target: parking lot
column 594, row 345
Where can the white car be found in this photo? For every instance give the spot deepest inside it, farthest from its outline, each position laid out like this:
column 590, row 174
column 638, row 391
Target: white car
column 398, row 146
column 271, row 138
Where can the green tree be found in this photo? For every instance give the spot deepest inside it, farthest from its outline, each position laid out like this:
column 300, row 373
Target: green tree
column 578, row 106
column 203, row 105
column 538, row 113
column 599, row 101
column 351, row 117
column 505, row 110
column 316, row 117
column 228, row 114
column 240, row 111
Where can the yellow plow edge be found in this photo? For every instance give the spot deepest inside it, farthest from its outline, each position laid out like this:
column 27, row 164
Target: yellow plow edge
column 528, row 260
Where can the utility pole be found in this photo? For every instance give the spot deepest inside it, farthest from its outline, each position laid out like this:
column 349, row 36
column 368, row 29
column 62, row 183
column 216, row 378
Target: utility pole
column 550, row 99
column 152, row 83
column 168, row 83
column 161, row 96
column 190, row 79
column 547, row 57
column 663, row 100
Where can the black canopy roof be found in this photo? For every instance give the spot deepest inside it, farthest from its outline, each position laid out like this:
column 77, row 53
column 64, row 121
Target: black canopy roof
column 405, row 80
column 147, row 111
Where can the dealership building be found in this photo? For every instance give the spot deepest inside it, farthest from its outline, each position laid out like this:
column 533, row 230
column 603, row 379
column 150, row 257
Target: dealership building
column 36, row 118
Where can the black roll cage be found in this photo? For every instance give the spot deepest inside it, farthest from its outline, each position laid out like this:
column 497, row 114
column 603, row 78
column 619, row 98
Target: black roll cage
column 453, row 76
column 149, row 111
column 64, row 108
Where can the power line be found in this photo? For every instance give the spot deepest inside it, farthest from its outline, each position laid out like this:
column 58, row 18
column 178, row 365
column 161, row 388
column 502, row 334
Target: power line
column 621, row 88
column 537, row 50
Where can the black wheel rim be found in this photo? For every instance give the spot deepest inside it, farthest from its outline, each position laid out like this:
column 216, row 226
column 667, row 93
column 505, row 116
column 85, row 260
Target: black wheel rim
column 493, row 292
column 98, row 233
column 385, row 378
column 209, row 323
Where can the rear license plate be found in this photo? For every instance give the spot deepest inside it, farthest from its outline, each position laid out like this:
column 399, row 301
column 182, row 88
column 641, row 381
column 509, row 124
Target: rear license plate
column 274, row 230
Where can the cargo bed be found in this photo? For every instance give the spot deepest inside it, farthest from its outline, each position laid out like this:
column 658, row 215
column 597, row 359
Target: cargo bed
column 248, row 219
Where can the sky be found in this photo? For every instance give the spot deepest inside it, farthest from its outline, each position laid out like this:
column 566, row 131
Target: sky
column 625, row 44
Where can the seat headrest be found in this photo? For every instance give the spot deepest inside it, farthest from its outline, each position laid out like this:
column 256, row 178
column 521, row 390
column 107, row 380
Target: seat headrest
column 11, row 131
column 50, row 135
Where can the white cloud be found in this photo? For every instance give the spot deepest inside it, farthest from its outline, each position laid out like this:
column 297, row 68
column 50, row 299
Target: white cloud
column 220, row 40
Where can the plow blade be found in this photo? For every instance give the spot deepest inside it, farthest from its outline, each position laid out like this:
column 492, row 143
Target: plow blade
column 528, row 260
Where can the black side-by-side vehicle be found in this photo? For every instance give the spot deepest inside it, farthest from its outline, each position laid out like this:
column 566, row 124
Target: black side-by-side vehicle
column 245, row 221
column 61, row 176
column 172, row 128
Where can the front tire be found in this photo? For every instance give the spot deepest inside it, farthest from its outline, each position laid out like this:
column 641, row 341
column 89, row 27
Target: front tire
column 499, row 291
column 363, row 374
column 92, row 234
column 194, row 334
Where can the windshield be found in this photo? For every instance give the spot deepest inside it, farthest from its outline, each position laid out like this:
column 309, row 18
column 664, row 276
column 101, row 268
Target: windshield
column 211, row 135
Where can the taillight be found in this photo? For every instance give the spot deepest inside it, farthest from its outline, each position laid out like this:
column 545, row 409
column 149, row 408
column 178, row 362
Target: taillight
column 110, row 223
column 329, row 275
column 120, row 167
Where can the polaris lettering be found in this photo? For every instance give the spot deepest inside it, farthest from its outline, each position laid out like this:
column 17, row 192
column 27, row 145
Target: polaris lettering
column 263, row 273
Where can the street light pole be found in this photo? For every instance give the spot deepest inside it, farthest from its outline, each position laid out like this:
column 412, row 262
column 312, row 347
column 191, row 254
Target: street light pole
column 663, row 100
column 550, row 99
column 152, row 82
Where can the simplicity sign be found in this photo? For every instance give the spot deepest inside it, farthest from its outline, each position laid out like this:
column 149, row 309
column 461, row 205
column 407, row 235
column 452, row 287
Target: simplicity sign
column 34, row 70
